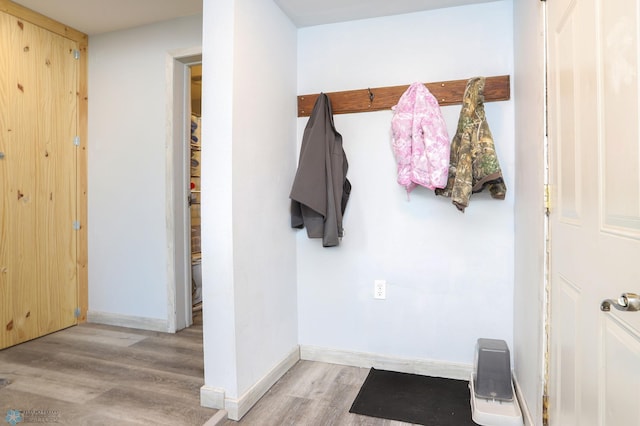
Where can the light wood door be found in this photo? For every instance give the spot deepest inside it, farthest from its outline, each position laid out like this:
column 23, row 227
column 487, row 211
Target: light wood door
column 38, row 181
column 594, row 152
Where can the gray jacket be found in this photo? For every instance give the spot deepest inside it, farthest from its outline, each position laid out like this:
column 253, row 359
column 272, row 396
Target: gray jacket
column 321, row 189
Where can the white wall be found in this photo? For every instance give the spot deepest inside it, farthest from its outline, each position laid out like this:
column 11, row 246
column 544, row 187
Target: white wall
column 248, row 249
column 127, row 170
column 449, row 274
column 529, row 220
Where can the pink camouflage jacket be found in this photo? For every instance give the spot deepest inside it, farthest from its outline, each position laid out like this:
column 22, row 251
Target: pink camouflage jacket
column 420, row 140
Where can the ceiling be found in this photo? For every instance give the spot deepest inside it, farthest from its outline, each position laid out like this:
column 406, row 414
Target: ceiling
column 316, row 12
column 101, row 16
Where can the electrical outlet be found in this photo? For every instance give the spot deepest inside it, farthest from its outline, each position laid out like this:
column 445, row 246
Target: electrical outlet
column 379, row 289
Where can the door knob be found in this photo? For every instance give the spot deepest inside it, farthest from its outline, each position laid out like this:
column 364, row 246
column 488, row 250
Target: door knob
column 627, row 302
column 1, row 155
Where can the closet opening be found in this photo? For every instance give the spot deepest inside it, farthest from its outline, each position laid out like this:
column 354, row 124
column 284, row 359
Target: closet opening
column 195, row 148
column 184, row 84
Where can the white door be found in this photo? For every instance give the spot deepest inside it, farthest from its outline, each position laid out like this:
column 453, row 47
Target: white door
column 594, row 152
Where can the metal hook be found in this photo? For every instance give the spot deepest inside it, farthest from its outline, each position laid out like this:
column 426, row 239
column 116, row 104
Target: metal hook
column 371, row 96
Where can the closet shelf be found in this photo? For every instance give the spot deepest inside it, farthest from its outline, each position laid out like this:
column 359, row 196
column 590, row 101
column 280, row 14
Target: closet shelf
column 376, row 99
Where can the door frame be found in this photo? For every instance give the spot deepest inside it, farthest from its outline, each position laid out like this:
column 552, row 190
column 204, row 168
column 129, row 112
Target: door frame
column 179, row 309
column 82, row 39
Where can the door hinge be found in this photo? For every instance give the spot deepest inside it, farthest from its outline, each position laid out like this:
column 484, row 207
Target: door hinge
column 76, row 140
column 547, row 199
column 76, row 225
column 76, row 313
column 76, row 54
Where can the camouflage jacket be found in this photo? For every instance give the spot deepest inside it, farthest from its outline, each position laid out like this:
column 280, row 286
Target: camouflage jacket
column 473, row 164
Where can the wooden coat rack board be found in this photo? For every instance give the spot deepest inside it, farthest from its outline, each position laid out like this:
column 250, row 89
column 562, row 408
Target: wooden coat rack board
column 377, row 99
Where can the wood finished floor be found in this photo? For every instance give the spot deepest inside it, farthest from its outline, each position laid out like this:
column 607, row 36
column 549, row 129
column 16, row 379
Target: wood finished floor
column 101, row 375
column 312, row 394
column 98, row 375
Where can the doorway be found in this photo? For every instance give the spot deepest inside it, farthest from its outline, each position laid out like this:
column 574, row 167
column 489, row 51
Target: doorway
column 179, row 194
column 195, row 148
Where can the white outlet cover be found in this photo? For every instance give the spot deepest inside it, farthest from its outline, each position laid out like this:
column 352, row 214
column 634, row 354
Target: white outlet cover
column 380, row 289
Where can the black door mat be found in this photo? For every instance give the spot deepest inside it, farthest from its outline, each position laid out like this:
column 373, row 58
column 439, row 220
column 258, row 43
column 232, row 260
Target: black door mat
column 412, row 398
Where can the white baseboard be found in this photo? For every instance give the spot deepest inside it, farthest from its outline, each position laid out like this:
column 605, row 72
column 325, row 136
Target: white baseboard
column 211, row 397
column 119, row 320
column 424, row 367
column 526, row 414
column 236, row 408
